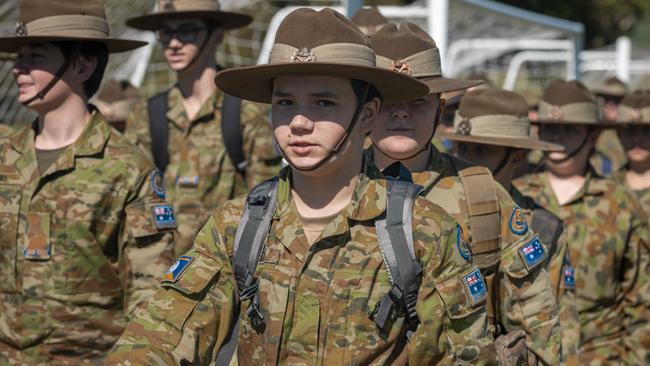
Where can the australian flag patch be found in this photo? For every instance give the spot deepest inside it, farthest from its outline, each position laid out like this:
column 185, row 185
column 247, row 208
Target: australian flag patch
column 475, row 286
column 176, row 270
column 163, row 215
column 532, row 253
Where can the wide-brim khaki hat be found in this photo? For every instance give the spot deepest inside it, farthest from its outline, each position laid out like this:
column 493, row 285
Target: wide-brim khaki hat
column 570, row 103
column 495, row 117
column 408, row 49
column 612, row 88
column 191, row 9
column 634, row 110
column 303, row 48
column 57, row 21
column 369, row 20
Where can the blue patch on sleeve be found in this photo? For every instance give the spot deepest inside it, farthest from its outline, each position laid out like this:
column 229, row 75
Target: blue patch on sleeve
column 462, row 246
column 518, row 223
column 475, row 286
column 176, row 270
column 164, row 216
column 157, row 183
column 532, row 253
column 568, row 274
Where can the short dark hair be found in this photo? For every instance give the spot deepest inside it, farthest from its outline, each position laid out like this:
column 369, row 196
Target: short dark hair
column 72, row 50
column 364, row 91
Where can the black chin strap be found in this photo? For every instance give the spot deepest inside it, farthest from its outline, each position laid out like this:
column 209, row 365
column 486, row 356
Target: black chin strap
column 423, row 148
column 201, row 48
column 572, row 154
column 503, row 162
column 341, row 144
column 57, row 76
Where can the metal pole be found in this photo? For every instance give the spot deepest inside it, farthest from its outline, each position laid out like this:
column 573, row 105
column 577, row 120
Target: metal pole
column 352, row 6
column 623, row 56
column 438, row 19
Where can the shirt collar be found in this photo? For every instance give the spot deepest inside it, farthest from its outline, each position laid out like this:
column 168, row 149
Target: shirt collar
column 176, row 112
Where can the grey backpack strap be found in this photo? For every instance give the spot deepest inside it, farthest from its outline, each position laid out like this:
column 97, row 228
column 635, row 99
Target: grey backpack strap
column 549, row 228
column 247, row 251
column 157, row 107
column 231, row 132
column 395, row 234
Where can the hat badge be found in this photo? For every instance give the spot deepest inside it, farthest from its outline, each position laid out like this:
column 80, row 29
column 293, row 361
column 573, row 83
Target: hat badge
column 168, row 5
column 303, row 55
column 556, row 113
column 636, row 115
column 402, row 67
column 21, row 29
column 464, row 127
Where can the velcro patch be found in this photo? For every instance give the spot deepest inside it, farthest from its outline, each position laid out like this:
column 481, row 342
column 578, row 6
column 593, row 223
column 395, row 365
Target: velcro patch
column 157, row 183
column 569, row 277
column 532, row 253
column 462, row 246
column 163, row 216
column 175, row 272
column 475, row 286
column 518, row 223
column 188, row 181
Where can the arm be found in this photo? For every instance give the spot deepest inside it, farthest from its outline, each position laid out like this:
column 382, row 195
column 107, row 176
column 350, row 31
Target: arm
column 263, row 161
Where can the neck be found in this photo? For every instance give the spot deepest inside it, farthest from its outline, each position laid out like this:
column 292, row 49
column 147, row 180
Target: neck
column 417, row 163
column 638, row 175
column 197, row 82
column 565, row 184
column 62, row 126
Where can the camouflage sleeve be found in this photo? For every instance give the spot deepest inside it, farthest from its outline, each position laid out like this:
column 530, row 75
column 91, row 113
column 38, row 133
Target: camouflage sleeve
column 636, row 286
column 137, row 128
column 146, row 242
column 528, row 301
column 451, row 301
column 188, row 319
column 263, row 161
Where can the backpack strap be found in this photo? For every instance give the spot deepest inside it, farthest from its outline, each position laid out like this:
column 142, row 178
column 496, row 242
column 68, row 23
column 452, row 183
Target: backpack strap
column 231, row 131
column 549, row 228
column 484, row 218
column 247, row 251
column 159, row 129
column 395, row 235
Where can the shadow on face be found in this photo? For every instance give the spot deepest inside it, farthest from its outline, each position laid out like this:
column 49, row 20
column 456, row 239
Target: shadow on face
column 636, row 141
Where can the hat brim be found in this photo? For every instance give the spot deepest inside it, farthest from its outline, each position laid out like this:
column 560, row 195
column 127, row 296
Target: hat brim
column 255, row 82
column 439, row 84
column 226, row 20
column 519, row 143
column 600, row 125
column 114, row 45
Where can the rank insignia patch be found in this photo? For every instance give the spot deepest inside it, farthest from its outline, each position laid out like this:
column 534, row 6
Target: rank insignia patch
column 475, row 286
column 532, row 253
column 462, row 246
column 157, row 183
column 176, row 270
column 518, row 223
column 163, row 215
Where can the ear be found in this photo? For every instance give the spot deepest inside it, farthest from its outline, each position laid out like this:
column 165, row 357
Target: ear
column 368, row 115
column 83, row 68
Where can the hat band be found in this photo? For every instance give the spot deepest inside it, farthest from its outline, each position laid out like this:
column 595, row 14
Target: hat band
column 166, row 6
column 344, row 53
column 85, row 26
column 583, row 112
column 422, row 64
column 492, row 125
column 628, row 114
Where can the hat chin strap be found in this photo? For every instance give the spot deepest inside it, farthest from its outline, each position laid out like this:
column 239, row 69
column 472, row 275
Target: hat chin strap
column 57, row 76
column 339, row 146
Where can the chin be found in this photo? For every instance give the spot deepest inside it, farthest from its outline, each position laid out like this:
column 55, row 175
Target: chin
column 400, row 148
column 638, row 155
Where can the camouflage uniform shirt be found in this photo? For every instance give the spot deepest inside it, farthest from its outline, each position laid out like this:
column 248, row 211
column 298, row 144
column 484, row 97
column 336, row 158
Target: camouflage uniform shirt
column 315, row 299
column 80, row 247
column 608, row 247
column 525, row 301
column 200, row 175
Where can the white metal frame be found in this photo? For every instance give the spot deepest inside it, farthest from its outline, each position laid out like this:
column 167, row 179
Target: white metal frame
column 522, row 57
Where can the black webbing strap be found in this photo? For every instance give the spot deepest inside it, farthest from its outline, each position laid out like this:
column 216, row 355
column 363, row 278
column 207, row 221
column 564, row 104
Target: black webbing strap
column 549, row 228
column 231, row 131
column 159, row 129
column 395, row 234
column 247, row 250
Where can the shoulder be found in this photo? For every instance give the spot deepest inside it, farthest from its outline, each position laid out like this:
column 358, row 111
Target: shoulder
column 124, row 157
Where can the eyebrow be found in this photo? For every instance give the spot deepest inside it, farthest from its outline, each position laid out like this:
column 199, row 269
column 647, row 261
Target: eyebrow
column 323, row 94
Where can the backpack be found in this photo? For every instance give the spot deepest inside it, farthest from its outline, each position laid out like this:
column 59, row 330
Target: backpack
column 395, row 234
column 230, row 129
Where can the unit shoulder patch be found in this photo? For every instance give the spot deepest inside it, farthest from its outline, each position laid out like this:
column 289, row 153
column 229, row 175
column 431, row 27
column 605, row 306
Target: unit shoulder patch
column 532, row 253
column 518, row 223
column 157, row 183
column 163, row 216
column 175, row 272
column 475, row 286
column 462, row 246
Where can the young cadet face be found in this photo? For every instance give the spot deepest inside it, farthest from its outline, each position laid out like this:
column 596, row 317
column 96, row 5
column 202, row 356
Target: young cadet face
column 403, row 129
column 181, row 40
column 578, row 141
column 37, row 64
column 636, row 141
column 310, row 115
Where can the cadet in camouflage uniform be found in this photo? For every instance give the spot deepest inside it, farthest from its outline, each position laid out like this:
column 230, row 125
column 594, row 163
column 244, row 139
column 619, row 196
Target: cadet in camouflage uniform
column 605, row 228
column 499, row 139
column 200, row 174
column 522, row 303
column 609, row 156
column 321, row 272
column 85, row 233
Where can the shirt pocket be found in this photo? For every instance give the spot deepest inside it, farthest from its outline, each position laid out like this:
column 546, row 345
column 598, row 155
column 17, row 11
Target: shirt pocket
column 262, row 348
column 10, row 196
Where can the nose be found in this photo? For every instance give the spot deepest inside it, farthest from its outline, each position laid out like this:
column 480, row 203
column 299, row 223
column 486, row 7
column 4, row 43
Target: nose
column 174, row 42
column 300, row 122
column 400, row 112
column 18, row 68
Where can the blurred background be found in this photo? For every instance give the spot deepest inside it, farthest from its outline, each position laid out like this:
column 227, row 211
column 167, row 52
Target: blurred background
column 515, row 44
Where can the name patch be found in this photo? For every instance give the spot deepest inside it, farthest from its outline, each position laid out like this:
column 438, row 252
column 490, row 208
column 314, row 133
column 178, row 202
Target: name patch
column 475, row 286
column 163, row 215
column 176, row 270
column 532, row 253
column 518, row 223
column 462, row 246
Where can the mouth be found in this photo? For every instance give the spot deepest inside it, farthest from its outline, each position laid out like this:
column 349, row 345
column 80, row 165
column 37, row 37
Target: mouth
column 400, row 129
column 301, row 148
